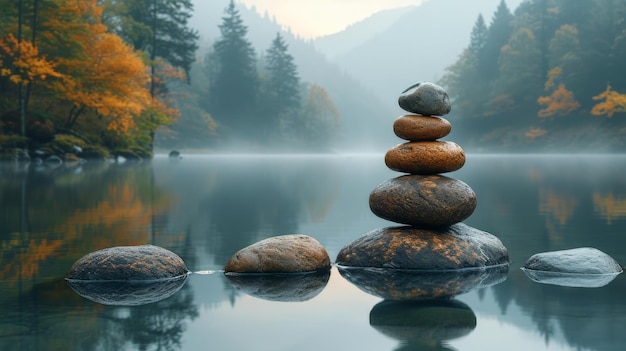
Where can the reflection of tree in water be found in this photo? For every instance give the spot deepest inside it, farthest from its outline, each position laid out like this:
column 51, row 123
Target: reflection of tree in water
column 562, row 203
column 160, row 326
column 61, row 319
column 253, row 201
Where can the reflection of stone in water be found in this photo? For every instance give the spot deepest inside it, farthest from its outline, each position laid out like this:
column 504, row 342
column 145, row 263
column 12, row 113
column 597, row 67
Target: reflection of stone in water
column 570, row 279
column 399, row 285
column 127, row 293
column 423, row 325
column 290, row 287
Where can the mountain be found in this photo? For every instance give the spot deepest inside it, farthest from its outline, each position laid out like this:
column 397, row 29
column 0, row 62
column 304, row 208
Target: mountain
column 418, row 46
column 338, row 44
column 362, row 113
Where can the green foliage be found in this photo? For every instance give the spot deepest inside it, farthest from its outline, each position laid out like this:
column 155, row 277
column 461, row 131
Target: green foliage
column 233, row 76
column 553, row 58
column 95, row 152
column 65, row 144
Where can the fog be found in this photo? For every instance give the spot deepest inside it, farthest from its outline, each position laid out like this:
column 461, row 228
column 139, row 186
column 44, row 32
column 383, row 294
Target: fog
column 366, row 66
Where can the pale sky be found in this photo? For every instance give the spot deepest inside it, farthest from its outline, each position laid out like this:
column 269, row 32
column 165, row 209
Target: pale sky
column 314, row 18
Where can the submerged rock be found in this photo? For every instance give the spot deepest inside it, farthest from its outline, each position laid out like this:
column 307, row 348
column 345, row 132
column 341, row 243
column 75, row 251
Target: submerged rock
column 425, row 157
column 584, row 260
column 406, row 285
column 127, row 293
column 426, row 99
column 423, row 200
column 427, row 322
column 454, row 247
column 128, row 263
column 418, row 128
column 290, row 287
column 280, row 254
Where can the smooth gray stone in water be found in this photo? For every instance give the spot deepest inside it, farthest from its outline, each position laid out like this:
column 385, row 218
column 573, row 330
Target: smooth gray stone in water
column 128, row 263
column 585, row 260
column 426, row 99
column 573, row 280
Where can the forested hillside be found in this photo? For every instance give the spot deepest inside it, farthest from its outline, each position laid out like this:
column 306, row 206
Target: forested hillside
column 550, row 76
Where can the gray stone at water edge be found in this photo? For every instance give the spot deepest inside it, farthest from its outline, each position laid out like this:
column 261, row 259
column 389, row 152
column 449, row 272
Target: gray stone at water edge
column 128, row 263
column 426, row 99
column 585, row 260
column 293, row 253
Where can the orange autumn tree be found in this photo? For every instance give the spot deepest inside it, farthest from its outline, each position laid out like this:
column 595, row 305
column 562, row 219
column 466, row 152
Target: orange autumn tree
column 109, row 79
column 22, row 63
column 613, row 103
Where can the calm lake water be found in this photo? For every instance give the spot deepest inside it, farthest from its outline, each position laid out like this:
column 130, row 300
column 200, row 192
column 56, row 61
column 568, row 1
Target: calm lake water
column 206, row 208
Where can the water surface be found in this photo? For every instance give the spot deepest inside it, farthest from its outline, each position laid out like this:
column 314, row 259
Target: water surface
column 205, row 208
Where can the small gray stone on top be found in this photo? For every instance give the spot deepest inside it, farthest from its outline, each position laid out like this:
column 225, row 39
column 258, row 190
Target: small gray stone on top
column 426, row 99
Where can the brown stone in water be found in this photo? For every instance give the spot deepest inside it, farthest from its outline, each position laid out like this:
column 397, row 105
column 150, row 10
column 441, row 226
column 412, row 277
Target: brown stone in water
column 458, row 246
column 418, row 128
column 128, row 263
column 293, row 253
column 423, row 200
column 425, row 157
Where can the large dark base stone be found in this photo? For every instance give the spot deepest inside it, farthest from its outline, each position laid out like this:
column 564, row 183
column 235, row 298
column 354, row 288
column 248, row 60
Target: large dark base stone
column 405, row 285
column 129, row 293
column 426, row 322
column 291, row 287
column 455, row 247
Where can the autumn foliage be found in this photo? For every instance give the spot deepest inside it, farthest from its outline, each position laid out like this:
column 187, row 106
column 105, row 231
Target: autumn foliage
column 86, row 77
column 613, row 103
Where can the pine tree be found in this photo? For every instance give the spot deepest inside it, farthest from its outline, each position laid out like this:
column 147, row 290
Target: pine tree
column 498, row 35
column 283, row 85
column 157, row 27
column 233, row 76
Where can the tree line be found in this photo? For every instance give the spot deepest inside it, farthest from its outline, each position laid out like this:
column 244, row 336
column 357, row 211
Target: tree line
column 102, row 76
column 551, row 74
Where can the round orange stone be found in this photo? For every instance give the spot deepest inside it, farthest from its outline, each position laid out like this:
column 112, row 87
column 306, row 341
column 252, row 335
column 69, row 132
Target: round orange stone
column 417, row 127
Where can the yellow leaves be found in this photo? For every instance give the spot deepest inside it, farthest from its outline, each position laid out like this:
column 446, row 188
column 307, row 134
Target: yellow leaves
column 561, row 102
column 613, row 103
column 22, row 63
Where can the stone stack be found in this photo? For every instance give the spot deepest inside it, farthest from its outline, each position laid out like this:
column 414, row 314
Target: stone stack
column 431, row 205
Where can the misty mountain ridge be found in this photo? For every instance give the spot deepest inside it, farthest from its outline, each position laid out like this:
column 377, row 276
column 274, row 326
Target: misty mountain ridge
column 338, row 44
column 418, row 46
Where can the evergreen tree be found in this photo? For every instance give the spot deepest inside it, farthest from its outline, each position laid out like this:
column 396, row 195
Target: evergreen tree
column 157, row 27
column 478, row 38
column 498, row 35
column 282, row 87
column 233, row 76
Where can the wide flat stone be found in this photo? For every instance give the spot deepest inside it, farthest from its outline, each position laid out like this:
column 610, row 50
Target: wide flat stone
column 458, row 246
column 128, row 263
column 425, row 157
column 418, row 127
column 408, row 285
column 585, row 260
column 426, row 99
column 292, row 253
column 423, row 200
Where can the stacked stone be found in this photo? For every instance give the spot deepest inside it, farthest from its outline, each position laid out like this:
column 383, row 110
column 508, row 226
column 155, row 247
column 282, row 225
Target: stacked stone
column 430, row 204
